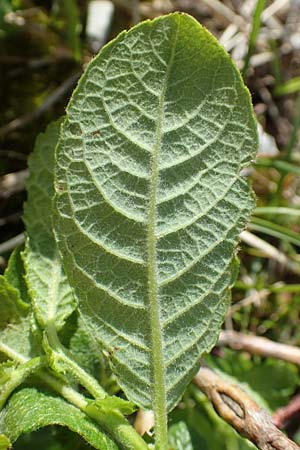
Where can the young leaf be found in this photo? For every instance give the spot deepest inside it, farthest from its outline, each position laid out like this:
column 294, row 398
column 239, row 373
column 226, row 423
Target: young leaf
column 15, row 336
column 52, row 298
column 179, row 437
column 150, row 201
column 11, row 376
column 14, row 274
column 116, row 403
column 30, row 409
column 4, row 442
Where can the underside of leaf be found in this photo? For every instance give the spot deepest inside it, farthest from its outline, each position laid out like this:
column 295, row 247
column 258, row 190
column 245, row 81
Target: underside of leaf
column 150, row 201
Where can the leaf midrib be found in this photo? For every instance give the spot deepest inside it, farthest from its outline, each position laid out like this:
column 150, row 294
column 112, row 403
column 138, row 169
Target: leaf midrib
column 159, row 385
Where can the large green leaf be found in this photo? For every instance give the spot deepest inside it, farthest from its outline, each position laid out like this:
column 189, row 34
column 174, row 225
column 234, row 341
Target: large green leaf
column 52, row 298
column 150, row 201
column 30, row 409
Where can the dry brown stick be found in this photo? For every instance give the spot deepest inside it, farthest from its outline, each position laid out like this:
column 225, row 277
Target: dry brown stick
column 226, row 12
column 241, row 412
column 253, row 299
column 259, row 346
column 12, row 243
column 14, row 182
column 267, row 249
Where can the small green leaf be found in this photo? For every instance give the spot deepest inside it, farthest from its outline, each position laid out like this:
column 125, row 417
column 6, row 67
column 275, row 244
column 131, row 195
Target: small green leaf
column 12, row 306
column 6, row 369
column 30, row 409
column 15, row 273
column 11, row 376
column 179, row 437
column 15, row 335
column 116, row 403
column 16, row 340
column 277, row 389
column 150, row 202
column 4, row 442
column 52, row 298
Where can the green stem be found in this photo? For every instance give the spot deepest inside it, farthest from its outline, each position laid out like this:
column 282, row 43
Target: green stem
column 261, row 210
column 113, row 422
column 60, row 355
column 19, row 374
column 279, row 164
column 256, row 21
column 119, row 428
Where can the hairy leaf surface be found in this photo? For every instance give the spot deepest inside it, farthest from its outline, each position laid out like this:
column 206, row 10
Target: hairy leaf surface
column 15, row 334
column 15, row 273
column 51, row 294
column 150, row 201
column 179, row 436
column 30, row 409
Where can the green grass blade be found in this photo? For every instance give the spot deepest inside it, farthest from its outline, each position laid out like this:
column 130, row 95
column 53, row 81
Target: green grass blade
column 277, row 210
column 279, row 164
column 256, row 22
column 289, row 87
column 272, row 229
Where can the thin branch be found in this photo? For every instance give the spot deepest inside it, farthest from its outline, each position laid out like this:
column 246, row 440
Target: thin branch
column 14, row 182
column 283, row 415
column 273, row 9
column 226, row 12
column 241, row 412
column 259, row 346
column 12, row 243
column 255, row 298
column 267, row 249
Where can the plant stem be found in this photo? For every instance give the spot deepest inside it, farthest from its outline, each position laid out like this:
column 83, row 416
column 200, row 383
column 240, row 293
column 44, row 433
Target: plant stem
column 119, row 428
column 59, row 355
column 256, row 21
column 19, row 374
column 112, row 421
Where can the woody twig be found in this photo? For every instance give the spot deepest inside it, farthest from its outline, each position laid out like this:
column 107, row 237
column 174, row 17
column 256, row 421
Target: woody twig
column 241, row 412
